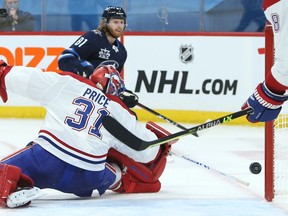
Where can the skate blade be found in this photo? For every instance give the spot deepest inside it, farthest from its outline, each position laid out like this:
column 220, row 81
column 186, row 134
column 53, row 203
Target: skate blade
column 22, row 197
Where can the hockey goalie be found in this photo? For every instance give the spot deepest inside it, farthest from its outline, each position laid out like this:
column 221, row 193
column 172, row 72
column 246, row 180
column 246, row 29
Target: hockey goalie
column 73, row 153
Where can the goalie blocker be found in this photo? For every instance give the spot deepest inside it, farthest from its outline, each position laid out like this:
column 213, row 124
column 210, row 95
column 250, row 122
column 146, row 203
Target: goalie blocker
column 138, row 177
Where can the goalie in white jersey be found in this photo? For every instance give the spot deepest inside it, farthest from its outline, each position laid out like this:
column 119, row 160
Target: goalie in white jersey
column 73, row 153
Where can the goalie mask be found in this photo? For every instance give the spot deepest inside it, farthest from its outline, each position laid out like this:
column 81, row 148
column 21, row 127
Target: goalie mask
column 107, row 79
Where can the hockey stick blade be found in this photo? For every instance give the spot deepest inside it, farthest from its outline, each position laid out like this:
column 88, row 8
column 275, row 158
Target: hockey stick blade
column 134, row 142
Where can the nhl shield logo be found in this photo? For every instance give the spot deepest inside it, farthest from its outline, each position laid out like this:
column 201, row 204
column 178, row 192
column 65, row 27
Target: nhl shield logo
column 186, row 53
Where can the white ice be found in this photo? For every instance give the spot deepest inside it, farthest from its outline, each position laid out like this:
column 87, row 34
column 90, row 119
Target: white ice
column 187, row 188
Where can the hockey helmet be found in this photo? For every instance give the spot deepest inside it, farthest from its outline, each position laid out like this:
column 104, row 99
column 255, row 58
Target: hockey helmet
column 114, row 13
column 107, row 79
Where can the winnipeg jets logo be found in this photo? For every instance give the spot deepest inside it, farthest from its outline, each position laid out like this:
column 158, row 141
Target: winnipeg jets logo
column 115, row 48
column 104, row 53
column 186, row 53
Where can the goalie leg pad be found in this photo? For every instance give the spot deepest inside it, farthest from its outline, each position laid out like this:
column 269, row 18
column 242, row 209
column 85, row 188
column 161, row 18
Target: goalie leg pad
column 161, row 132
column 132, row 185
column 136, row 169
column 158, row 165
column 137, row 177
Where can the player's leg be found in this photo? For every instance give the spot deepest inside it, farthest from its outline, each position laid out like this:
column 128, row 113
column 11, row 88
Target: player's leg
column 48, row 171
column 16, row 188
column 82, row 182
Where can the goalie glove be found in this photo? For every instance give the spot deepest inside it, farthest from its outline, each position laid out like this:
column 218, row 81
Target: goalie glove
column 129, row 98
column 266, row 104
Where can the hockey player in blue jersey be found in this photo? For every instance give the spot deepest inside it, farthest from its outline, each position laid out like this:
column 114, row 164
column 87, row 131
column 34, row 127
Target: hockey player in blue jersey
column 73, row 153
column 97, row 46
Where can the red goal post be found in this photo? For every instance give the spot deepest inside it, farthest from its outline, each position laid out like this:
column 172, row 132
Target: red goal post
column 276, row 137
column 269, row 130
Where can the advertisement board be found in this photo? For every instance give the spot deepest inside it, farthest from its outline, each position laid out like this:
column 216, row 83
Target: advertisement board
column 180, row 75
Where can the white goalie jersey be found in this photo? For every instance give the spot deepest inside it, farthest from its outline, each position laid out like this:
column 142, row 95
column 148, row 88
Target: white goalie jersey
column 73, row 129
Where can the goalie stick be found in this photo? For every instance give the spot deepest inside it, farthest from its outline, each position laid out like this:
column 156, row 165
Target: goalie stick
column 164, row 117
column 134, row 142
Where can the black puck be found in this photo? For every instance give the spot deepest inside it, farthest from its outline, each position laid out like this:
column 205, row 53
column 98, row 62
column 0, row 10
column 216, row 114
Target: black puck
column 255, row 168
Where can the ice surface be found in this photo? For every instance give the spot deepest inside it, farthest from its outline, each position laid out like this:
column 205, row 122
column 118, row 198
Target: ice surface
column 187, row 188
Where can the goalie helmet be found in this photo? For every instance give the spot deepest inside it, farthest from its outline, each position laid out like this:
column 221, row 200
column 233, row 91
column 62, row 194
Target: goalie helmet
column 114, row 13
column 107, row 79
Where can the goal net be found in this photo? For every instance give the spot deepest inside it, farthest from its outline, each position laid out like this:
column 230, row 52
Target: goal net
column 276, row 138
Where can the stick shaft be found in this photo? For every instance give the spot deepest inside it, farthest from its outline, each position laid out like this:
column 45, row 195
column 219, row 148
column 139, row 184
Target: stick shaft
column 161, row 116
column 206, row 125
column 134, row 142
column 164, row 117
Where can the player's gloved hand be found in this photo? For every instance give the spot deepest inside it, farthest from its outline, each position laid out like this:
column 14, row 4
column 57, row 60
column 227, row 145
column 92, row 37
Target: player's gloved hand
column 129, row 98
column 266, row 104
column 86, row 69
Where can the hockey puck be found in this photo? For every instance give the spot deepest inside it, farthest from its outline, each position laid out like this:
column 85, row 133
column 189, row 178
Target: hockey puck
column 255, row 168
